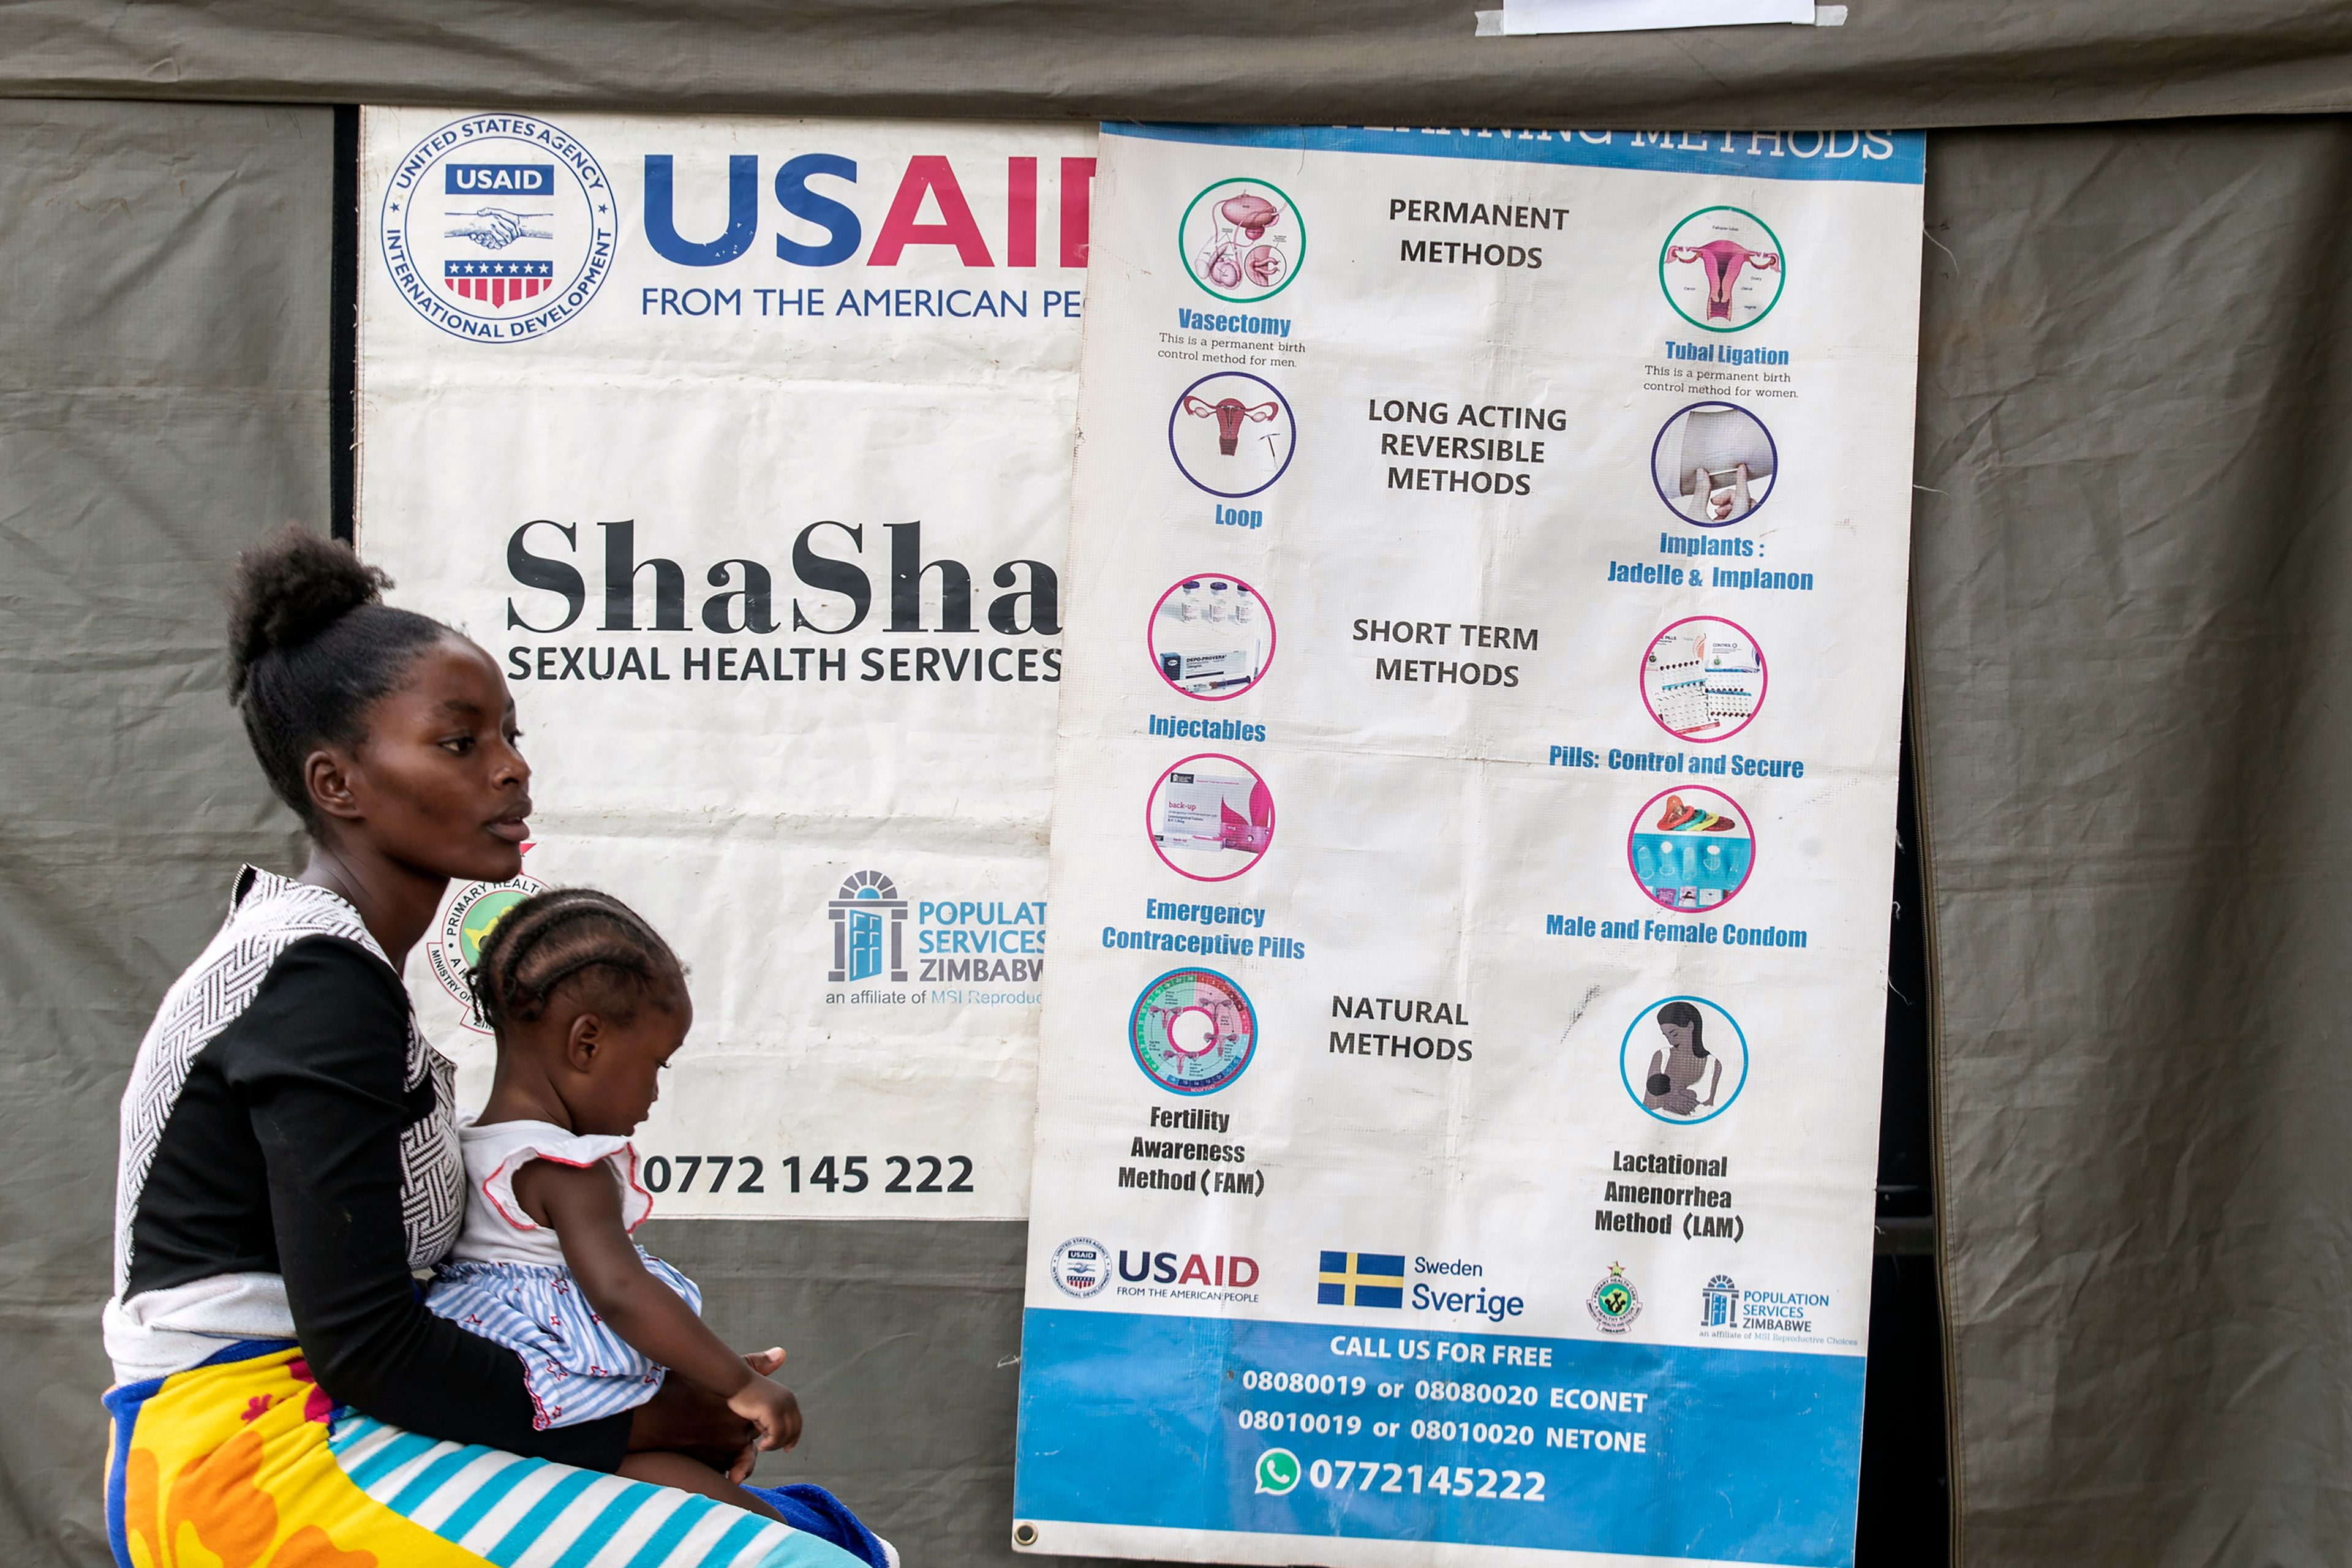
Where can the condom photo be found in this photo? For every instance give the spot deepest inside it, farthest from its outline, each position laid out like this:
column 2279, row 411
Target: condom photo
column 1721, row 269
column 1231, row 434
column 1684, row 1058
column 1714, row 463
column 1703, row 678
column 1243, row 241
column 1211, row 817
column 1690, row 848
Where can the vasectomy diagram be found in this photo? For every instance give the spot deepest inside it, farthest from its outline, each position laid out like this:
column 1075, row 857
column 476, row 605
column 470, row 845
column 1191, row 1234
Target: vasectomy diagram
column 1242, row 240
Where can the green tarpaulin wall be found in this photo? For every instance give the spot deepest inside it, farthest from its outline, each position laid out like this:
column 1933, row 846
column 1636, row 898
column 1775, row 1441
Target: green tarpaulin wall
column 2132, row 604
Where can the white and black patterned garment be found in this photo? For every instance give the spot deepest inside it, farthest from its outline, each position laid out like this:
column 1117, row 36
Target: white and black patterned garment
column 288, row 1157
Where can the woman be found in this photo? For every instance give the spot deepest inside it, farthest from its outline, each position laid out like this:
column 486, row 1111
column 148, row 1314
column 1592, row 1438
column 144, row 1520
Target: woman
column 288, row 1161
column 1676, row 1070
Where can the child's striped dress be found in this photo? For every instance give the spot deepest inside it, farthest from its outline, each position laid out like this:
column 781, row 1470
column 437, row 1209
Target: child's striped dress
column 506, row 1278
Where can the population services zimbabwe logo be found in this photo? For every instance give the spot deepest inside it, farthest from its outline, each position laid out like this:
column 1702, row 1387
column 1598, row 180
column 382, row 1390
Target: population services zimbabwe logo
column 1081, row 1267
column 498, row 227
column 1614, row 1303
column 869, row 924
column 475, row 907
column 1719, row 1304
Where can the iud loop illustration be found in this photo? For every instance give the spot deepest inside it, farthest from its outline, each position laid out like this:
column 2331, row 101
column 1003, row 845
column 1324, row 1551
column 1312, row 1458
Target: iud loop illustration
column 1229, row 413
column 1231, row 433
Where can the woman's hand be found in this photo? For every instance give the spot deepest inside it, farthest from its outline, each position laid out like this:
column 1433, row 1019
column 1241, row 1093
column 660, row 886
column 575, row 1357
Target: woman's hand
column 683, row 1419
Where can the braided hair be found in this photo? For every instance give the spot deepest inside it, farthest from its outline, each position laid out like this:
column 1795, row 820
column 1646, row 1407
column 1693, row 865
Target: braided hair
column 310, row 644
column 566, row 935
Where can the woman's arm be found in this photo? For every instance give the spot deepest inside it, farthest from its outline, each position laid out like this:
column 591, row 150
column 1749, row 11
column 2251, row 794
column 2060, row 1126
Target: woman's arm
column 582, row 1204
column 319, row 1056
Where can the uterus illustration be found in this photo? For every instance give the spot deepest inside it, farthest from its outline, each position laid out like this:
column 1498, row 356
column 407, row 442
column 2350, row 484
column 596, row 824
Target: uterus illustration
column 1723, row 258
column 1236, row 252
column 1229, row 413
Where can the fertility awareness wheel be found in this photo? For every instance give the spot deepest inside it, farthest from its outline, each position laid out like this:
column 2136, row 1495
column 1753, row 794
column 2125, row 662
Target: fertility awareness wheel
column 1192, row 1030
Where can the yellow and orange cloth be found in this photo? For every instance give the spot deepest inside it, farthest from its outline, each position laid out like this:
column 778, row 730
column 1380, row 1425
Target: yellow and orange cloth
column 244, row 1462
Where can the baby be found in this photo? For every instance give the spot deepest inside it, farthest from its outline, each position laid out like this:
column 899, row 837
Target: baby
column 588, row 1004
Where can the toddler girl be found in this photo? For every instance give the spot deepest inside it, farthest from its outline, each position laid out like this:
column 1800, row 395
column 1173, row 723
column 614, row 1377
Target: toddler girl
column 588, row 1004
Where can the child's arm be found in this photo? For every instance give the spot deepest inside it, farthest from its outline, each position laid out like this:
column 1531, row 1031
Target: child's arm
column 582, row 1204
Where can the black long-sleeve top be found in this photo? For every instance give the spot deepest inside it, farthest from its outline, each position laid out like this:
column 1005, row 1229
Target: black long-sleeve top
column 282, row 1155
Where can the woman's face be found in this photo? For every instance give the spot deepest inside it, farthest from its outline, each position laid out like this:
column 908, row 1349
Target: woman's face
column 437, row 782
column 1677, row 1035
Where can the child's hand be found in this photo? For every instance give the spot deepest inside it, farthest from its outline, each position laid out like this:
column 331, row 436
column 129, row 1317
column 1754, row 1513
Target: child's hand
column 770, row 1408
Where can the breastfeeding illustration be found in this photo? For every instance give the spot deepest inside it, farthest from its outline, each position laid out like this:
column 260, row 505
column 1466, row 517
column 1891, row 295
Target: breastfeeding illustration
column 1683, row 1059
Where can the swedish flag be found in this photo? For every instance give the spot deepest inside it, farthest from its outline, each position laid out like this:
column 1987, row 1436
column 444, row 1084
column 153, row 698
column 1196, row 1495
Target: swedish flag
column 1360, row 1280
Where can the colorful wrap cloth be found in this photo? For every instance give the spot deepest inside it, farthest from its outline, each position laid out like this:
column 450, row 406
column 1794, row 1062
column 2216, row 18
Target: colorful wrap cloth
column 243, row 1462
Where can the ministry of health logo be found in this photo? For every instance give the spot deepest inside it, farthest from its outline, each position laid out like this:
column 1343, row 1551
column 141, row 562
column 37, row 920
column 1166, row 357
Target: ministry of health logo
column 498, row 227
column 1614, row 1303
column 473, row 909
column 869, row 922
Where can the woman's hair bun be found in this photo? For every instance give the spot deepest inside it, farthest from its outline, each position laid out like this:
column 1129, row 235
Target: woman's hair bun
column 287, row 591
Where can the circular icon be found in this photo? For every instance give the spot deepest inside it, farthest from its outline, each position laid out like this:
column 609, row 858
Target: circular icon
column 1278, row 1471
column 1714, row 463
column 1691, row 849
column 466, row 922
column 1232, row 434
column 1212, row 636
column 1703, row 678
column 1722, row 269
column 1080, row 1267
column 1614, row 1303
column 498, row 230
column 1242, row 240
column 1211, row 817
column 1192, row 1031
column 1683, row 1059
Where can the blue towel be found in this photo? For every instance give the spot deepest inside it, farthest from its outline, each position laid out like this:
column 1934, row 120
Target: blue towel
column 817, row 1512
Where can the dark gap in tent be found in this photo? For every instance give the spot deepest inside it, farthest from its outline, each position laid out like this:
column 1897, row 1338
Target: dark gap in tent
column 1905, row 1515
column 343, row 329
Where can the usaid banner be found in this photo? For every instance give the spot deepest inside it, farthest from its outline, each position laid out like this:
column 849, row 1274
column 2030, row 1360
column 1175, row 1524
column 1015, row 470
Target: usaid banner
column 744, row 446
column 1458, row 1087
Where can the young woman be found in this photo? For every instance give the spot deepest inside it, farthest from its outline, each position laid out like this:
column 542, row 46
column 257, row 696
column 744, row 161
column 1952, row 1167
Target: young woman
column 289, row 1162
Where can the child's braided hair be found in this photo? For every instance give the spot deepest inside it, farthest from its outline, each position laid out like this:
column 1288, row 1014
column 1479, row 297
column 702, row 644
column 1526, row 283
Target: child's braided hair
column 562, row 935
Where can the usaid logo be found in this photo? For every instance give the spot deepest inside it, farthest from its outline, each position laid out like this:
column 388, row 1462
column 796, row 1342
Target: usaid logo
column 1081, row 1267
column 869, row 928
column 498, row 228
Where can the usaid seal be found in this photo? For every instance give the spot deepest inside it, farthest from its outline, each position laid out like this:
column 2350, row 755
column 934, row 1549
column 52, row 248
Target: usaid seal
column 498, row 227
column 1081, row 1267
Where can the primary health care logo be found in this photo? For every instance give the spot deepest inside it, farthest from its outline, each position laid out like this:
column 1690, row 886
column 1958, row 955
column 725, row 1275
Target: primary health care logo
column 498, row 228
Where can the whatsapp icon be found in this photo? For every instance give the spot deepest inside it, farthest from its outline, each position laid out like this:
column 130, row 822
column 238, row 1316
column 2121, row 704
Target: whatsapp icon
column 1278, row 1471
